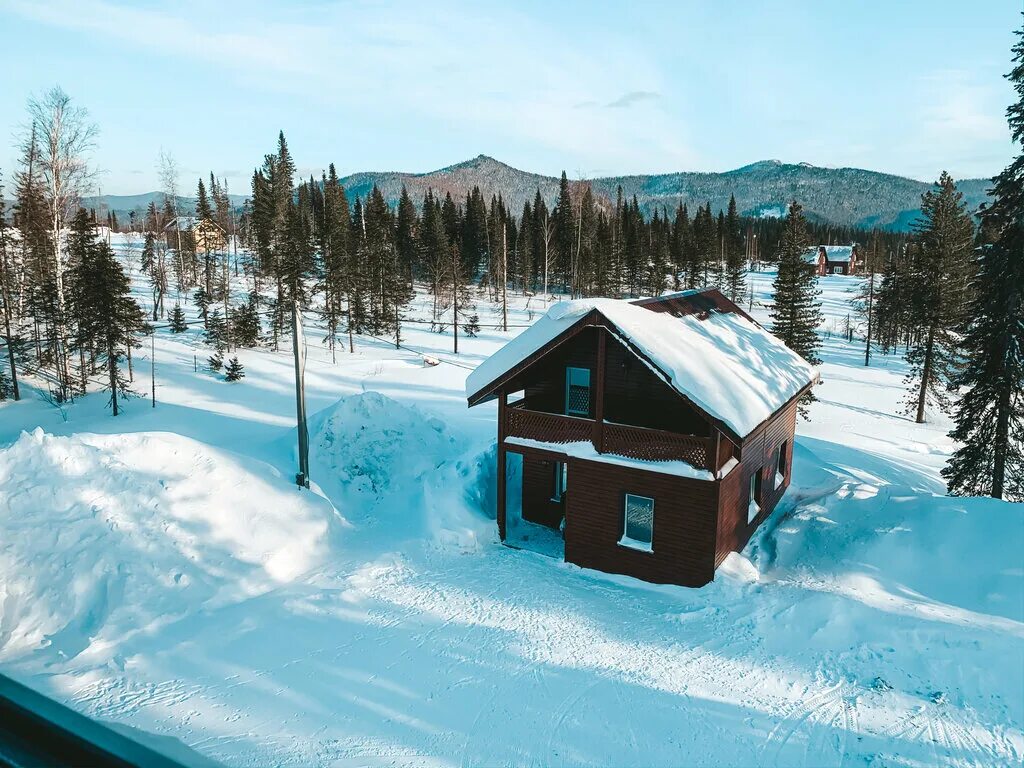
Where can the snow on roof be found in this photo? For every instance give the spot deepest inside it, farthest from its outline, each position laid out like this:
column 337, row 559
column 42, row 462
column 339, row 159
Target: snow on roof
column 728, row 366
column 585, row 450
column 181, row 222
column 840, row 253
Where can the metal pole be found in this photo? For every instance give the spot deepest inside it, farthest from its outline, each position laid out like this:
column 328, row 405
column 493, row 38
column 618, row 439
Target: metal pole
column 152, row 364
column 302, row 478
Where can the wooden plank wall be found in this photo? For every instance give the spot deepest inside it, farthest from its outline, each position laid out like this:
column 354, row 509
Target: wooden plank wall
column 759, row 454
column 684, row 523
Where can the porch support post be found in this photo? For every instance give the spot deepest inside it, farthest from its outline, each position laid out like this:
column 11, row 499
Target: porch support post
column 599, row 393
column 716, row 443
column 502, row 406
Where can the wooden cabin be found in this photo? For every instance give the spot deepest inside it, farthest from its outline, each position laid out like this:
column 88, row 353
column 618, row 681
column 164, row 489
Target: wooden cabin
column 833, row 259
column 196, row 235
column 654, row 436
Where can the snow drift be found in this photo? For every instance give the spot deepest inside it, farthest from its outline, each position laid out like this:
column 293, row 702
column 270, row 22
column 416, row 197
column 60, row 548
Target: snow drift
column 399, row 468
column 102, row 535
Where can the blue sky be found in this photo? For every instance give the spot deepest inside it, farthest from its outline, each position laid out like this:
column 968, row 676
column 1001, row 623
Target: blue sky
column 909, row 87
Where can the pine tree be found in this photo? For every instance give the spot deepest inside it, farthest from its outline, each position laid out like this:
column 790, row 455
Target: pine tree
column 796, row 311
column 990, row 415
column 106, row 317
column 216, row 360
column 941, row 265
column 203, row 300
column 245, row 324
column 234, row 371
column 148, row 252
column 177, row 320
column 216, row 331
column 8, row 384
column 735, row 276
column 472, row 326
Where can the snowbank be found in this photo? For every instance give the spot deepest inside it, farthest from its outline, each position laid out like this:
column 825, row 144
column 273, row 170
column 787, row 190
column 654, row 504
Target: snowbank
column 399, row 468
column 101, row 535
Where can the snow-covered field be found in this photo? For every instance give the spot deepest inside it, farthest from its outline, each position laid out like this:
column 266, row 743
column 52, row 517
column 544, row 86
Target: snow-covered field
column 161, row 571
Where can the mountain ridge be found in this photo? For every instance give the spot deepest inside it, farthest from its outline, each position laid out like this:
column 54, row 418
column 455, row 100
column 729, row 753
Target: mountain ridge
column 845, row 196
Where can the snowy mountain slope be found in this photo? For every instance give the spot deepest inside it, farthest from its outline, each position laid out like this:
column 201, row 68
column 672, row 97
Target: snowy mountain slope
column 872, row 621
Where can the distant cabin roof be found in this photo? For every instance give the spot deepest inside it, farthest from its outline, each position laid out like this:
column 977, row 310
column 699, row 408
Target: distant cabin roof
column 181, row 222
column 837, row 253
column 723, row 362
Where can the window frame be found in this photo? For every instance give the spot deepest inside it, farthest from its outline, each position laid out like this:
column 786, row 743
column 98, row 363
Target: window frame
column 568, row 385
column 837, row 270
column 781, row 470
column 753, row 492
column 627, row 541
column 560, row 481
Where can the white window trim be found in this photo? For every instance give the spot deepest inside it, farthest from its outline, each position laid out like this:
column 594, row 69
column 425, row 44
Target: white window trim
column 753, row 508
column 626, row 541
column 779, row 479
column 562, row 481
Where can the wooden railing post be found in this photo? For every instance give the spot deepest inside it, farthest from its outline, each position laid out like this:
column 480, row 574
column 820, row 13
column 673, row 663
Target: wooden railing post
column 501, row 493
column 713, row 452
column 598, row 437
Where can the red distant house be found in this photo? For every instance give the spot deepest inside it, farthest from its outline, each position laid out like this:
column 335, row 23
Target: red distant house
column 656, row 435
column 834, row 259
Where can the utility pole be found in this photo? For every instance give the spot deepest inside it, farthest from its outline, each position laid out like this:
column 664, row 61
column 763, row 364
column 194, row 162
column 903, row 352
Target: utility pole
column 302, row 478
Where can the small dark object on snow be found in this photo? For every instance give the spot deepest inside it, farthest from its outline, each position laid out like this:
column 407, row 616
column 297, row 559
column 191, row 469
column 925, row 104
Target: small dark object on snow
column 881, row 684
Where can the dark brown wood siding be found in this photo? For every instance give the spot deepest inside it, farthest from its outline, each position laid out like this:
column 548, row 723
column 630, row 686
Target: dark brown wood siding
column 760, row 454
column 684, row 523
column 633, row 393
column 538, row 485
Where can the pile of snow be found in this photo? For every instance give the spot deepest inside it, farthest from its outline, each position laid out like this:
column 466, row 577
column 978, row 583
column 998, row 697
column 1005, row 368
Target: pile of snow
column 727, row 365
column 392, row 463
column 101, row 535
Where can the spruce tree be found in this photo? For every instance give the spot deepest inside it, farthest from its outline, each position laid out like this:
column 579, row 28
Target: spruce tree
column 735, row 277
column 216, row 331
column 941, row 266
column 216, row 360
column 796, row 310
column 245, row 324
column 234, row 371
column 148, row 252
column 177, row 320
column 106, row 316
column 990, row 415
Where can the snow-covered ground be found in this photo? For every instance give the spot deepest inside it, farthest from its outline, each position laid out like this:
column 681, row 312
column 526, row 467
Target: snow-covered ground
column 160, row 570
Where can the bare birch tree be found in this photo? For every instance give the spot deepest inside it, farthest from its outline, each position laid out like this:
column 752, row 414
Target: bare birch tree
column 66, row 137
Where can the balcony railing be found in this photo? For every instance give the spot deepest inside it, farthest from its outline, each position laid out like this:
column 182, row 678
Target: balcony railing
column 619, row 439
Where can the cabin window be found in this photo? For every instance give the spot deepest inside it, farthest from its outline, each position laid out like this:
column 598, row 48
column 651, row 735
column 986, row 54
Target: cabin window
column 638, row 523
column 780, row 465
column 837, row 270
column 561, row 479
column 754, row 497
column 577, row 391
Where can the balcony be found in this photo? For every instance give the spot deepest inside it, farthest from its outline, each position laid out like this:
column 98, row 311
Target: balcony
column 619, row 439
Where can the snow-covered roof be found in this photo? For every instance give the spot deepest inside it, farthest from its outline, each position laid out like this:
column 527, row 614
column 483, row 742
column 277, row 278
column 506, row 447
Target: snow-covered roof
column 725, row 364
column 181, row 222
column 838, row 253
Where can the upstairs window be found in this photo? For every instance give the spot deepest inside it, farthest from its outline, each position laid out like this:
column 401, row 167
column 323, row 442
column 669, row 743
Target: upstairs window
column 638, row 523
column 577, row 392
